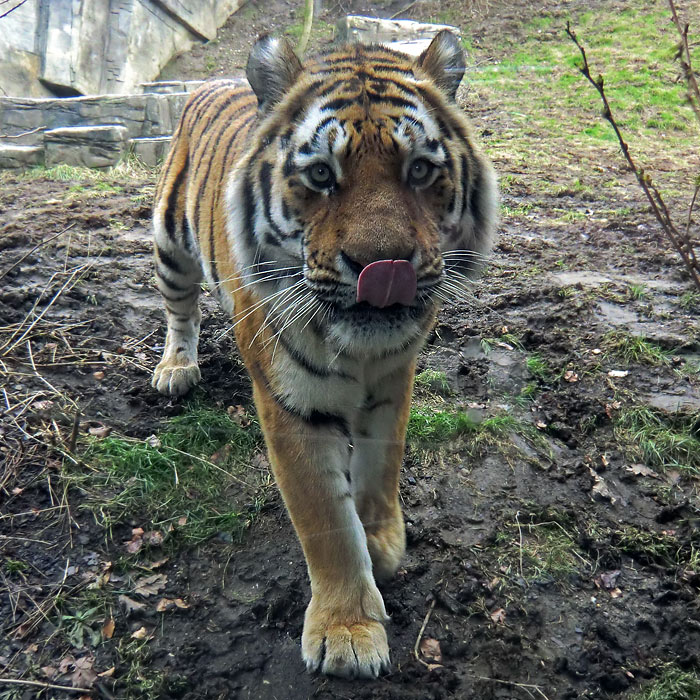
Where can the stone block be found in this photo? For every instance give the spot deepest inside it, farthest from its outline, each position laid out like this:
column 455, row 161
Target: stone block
column 141, row 115
column 20, row 157
column 150, row 150
column 403, row 35
column 90, row 146
column 170, row 87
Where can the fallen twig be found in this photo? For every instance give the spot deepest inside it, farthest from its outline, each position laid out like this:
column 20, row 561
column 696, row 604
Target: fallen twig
column 36, row 247
column 40, row 684
column 416, row 646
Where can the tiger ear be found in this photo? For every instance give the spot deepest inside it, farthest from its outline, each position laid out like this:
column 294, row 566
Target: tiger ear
column 272, row 69
column 443, row 61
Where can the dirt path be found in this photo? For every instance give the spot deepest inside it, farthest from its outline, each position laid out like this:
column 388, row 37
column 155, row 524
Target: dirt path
column 553, row 533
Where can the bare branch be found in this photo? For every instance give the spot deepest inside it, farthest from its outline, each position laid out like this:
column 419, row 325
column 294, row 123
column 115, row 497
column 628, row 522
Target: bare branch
column 12, row 9
column 681, row 241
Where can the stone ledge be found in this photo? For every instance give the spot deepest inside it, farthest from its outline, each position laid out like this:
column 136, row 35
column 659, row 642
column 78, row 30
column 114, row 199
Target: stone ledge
column 150, row 150
column 13, row 157
column 91, row 146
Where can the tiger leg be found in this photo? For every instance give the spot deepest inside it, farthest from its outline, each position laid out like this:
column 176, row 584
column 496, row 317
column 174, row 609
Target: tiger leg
column 344, row 623
column 378, row 441
column 178, row 274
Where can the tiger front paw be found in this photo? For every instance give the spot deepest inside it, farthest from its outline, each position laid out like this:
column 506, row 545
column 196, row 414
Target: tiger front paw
column 340, row 645
column 175, row 380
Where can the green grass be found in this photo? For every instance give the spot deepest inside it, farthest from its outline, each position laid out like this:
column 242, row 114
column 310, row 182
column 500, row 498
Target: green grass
column 434, row 381
column 431, row 429
column 426, row 426
column 659, row 439
column 634, row 51
column 637, row 292
column 690, row 301
column 196, row 469
column 538, row 367
column 633, row 349
column 672, row 684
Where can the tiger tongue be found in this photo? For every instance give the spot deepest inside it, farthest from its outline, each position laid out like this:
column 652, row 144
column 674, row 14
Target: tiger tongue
column 386, row 282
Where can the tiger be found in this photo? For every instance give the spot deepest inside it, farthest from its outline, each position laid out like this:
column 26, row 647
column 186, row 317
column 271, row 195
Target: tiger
column 332, row 206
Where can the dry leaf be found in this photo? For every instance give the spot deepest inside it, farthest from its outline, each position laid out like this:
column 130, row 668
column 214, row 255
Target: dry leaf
column 48, row 671
column 432, row 667
column 108, row 629
column 154, row 538
column 157, row 564
column 182, row 521
column 130, row 605
column 107, row 674
column 607, row 579
column 642, row 470
column 570, row 376
column 615, row 593
column 150, row 585
column 430, row 649
column 600, row 488
column 618, row 373
column 99, row 375
column 100, row 431
column 166, row 604
column 153, row 441
column 596, row 351
column 84, row 675
column 499, row 616
column 141, row 633
column 16, row 491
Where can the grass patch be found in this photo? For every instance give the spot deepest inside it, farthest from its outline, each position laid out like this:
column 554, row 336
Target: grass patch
column 672, row 684
column 538, row 552
column 690, row 301
column 633, row 349
column 198, row 468
column 537, row 367
column 98, row 181
column 434, row 381
column 659, row 439
column 430, row 429
column 426, row 427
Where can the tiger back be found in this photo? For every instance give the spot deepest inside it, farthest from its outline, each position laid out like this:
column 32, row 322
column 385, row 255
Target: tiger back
column 332, row 207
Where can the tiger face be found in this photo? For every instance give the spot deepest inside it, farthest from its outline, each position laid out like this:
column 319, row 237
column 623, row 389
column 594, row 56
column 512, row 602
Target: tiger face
column 364, row 187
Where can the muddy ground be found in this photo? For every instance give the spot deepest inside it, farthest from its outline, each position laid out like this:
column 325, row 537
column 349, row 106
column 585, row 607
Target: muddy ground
column 552, row 558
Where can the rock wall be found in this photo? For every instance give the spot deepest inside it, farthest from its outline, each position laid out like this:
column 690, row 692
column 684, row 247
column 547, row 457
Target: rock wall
column 82, row 47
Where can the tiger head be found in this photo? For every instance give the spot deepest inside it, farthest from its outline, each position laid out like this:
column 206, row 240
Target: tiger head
column 363, row 187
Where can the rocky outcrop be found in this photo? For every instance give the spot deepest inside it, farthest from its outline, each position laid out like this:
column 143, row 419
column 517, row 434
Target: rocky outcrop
column 74, row 47
column 401, row 34
column 95, row 131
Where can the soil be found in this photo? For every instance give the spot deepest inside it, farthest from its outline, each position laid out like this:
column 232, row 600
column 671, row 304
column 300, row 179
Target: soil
column 504, row 630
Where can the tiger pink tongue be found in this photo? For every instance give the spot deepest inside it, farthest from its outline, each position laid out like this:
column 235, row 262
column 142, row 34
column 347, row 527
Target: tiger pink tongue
column 386, row 282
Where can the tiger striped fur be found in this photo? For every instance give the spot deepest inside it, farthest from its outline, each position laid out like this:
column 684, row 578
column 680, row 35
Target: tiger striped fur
column 281, row 192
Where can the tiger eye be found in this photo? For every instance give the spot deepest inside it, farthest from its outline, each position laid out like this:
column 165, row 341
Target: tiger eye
column 419, row 172
column 320, row 174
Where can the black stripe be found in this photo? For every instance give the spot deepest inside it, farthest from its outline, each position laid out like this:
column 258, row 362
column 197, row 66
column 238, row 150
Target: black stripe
column 288, row 168
column 465, row 181
column 187, row 234
column 170, row 284
column 394, row 101
column 383, row 68
column 304, row 362
column 371, row 405
column 339, row 103
column 266, row 188
column 168, row 260
column 249, row 210
column 474, row 203
column 169, row 218
column 182, row 297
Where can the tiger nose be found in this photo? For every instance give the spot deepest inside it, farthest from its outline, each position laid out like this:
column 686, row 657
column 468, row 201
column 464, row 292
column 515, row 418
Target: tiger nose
column 358, row 263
